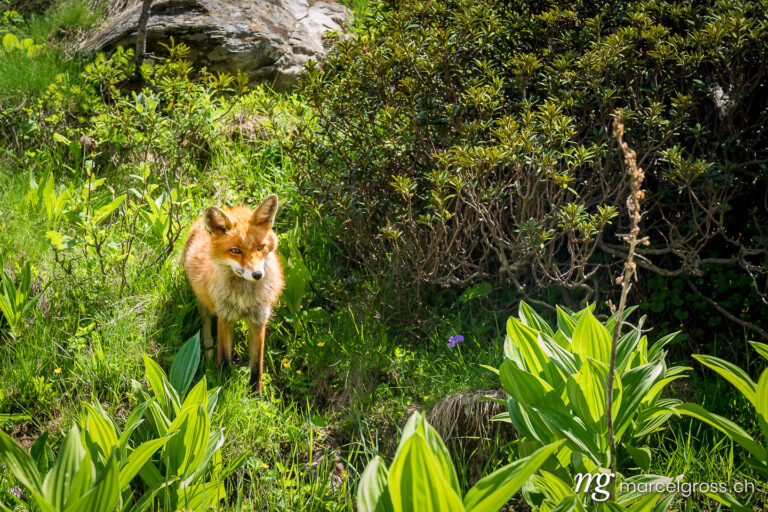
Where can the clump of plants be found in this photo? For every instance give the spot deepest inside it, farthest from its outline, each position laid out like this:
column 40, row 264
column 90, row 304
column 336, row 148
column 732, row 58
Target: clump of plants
column 97, row 464
column 557, row 384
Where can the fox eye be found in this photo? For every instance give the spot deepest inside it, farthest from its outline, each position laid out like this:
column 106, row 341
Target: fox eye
column 235, row 250
column 260, row 247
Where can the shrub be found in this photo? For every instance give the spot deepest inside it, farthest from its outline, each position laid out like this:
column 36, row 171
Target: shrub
column 465, row 140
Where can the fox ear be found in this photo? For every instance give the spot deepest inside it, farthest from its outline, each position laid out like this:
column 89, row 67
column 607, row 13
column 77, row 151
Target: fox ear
column 265, row 212
column 216, row 221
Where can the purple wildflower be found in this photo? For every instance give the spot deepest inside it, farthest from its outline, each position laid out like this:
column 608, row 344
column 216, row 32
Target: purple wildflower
column 453, row 340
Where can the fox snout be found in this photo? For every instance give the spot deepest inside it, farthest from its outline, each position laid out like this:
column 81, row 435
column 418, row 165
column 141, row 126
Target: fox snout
column 250, row 274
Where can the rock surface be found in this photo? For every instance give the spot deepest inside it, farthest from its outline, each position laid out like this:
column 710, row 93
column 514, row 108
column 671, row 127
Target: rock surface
column 270, row 40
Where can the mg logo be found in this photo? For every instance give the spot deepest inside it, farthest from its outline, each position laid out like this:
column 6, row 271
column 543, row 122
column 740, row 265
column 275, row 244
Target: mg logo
column 596, row 484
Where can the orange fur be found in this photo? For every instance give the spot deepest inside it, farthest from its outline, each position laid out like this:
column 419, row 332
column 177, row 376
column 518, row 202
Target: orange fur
column 232, row 266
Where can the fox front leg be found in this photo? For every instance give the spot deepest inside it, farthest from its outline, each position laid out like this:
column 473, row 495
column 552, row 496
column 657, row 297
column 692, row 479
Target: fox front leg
column 224, row 345
column 256, row 334
column 207, row 318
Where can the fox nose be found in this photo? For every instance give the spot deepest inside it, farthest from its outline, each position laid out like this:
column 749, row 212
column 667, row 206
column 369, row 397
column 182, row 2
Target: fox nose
column 258, row 274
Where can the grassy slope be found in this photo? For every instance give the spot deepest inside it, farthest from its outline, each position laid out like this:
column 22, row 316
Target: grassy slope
column 334, row 393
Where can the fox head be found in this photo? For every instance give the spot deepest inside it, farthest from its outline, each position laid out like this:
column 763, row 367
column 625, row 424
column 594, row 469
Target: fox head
column 241, row 239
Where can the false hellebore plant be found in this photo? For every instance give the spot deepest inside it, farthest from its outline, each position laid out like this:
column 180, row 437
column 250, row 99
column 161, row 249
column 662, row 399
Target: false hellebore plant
column 556, row 381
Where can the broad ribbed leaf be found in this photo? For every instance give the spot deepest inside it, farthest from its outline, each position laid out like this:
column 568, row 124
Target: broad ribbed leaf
column 104, row 494
column 373, row 491
column 197, row 395
column 761, row 406
column 58, row 481
column 525, row 387
column 159, row 419
column 587, row 393
column 761, row 348
column 528, row 422
column 133, row 421
column 201, row 496
column 138, row 458
column 553, row 487
column 82, row 480
column 591, row 339
column 561, row 357
column 732, row 374
column 20, row 464
column 656, row 352
column 187, row 448
column 215, row 442
column 636, row 384
column 185, row 364
column 490, row 493
column 644, row 504
column 611, row 323
column 527, row 340
column 532, row 319
column 42, row 454
column 725, row 426
column 155, row 376
column 101, row 430
column 580, row 438
column 565, row 323
column 416, row 483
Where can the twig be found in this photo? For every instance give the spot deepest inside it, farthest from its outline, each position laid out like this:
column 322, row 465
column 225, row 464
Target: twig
column 730, row 316
column 636, row 176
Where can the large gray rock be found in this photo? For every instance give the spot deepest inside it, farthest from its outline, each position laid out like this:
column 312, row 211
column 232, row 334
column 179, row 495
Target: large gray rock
column 270, row 40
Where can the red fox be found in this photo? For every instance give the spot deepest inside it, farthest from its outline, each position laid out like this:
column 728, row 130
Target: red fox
column 231, row 263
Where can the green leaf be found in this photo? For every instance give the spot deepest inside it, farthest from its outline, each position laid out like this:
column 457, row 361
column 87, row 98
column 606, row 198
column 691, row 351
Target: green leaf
column 138, row 458
column 526, row 388
column 761, row 348
column 416, row 483
column 565, row 323
column 147, row 499
column 591, row 339
column 201, row 496
column 20, row 464
column 42, row 454
column 761, row 407
column 104, row 494
column 644, row 504
column 536, row 361
column 479, row 290
column 641, row 455
column 580, row 438
column 105, row 211
column 490, row 493
column 732, row 373
column 730, row 501
column 725, row 426
column 636, row 384
column 133, row 421
column 155, row 377
column 185, row 364
column 186, row 449
column 587, row 394
column 58, row 482
column 372, row 491
column 532, row 319
column 101, row 430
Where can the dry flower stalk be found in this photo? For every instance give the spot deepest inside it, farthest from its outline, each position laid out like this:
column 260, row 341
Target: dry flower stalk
column 636, row 177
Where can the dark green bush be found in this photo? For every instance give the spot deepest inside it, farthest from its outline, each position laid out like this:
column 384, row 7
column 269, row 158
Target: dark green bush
column 465, row 140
